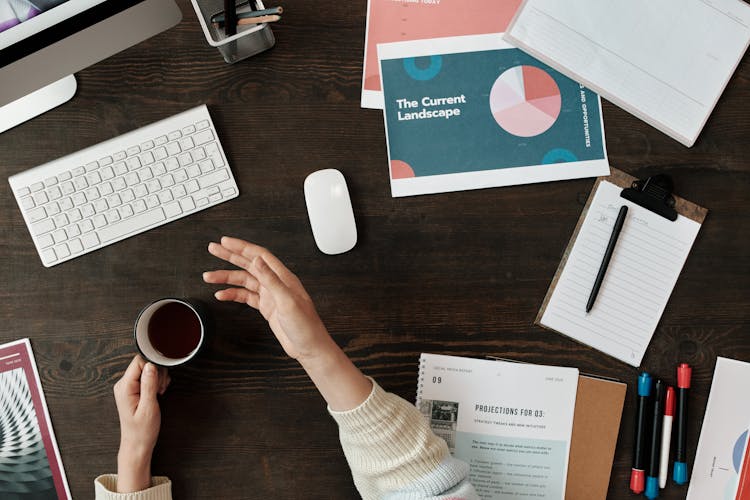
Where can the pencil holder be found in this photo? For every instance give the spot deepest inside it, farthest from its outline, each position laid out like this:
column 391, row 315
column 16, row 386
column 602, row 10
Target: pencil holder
column 249, row 40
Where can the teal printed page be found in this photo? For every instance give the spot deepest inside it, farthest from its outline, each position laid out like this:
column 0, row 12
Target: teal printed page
column 474, row 112
column 511, row 422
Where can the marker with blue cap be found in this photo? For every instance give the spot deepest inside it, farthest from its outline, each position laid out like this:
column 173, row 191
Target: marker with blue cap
column 637, row 475
column 652, row 477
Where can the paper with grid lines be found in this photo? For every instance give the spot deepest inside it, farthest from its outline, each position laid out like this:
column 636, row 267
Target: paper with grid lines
column 645, row 265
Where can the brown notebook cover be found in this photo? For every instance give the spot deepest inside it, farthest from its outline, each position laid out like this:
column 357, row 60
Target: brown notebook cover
column 596, row 424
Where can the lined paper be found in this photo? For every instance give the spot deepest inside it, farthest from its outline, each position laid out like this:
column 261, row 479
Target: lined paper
column 645, row 265
column 667, row 62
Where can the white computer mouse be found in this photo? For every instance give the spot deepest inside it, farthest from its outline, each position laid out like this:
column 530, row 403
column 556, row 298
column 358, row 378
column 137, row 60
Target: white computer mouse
column 330, row 211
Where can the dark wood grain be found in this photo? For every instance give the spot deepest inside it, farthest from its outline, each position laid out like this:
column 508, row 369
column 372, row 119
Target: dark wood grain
column 460, row 273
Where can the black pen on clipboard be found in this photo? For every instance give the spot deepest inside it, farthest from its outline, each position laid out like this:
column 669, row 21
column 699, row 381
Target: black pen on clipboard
column 607, row 256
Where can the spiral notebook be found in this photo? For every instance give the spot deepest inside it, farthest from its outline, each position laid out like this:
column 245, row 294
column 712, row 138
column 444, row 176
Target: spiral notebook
column 504, row 418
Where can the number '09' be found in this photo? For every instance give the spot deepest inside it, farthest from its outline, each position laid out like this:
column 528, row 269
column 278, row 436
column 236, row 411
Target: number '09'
column 437, row 380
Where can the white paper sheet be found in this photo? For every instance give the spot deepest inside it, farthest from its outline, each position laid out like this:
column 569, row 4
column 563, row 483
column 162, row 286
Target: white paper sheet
column 645, row 265
column 667, row 62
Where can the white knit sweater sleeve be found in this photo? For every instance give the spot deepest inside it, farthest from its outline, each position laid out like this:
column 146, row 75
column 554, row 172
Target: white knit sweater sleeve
column 393, row 453
column 106, row 485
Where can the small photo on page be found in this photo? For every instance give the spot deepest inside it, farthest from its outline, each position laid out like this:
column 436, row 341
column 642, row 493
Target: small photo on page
column 30, row 466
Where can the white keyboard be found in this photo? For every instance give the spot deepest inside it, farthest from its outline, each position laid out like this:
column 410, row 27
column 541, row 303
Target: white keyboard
column 124, row 186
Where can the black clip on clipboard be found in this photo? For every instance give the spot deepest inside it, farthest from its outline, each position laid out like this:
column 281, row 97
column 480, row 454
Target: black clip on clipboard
column 655, row 194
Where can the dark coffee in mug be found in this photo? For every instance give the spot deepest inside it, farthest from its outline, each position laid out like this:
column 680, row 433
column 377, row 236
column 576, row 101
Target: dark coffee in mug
column 174, row 330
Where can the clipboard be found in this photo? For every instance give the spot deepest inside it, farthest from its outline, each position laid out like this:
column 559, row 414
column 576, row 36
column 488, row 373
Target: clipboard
column 653, row 194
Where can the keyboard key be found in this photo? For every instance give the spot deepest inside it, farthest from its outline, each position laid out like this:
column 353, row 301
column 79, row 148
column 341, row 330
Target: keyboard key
column 203, row 137
column 24, row 191
column 48, row 256
column 62, row 251
column 132, row 225
column 108, row 173
column 92, row 194
column 172, row 209
column 41, row 198
column 88, row 211
column 80, row 183
column 173, row 149
column 173, row 136
column 119, row 184
column 107, row 160
column 167, row 180
column 159, row 169
column 216, row 158
column 147, row 158
column 114, row 200
column 59, row 236
column 161, row 140
column 188, row 130
column 50, row 181
column 128, row 196
column 67, row 188
column 42, row 227
column 229, row 192
column 113, row 216
column 89, row 240
column 212, row 149
column 100, row 221
column 73, row 230
column 166, row 196
column 121, row 168
column 86, row 226
column 75, row 246
column 27, row 203
column 193, row 170
column 133, row 150
column 66, row 204
column 214, row 197
column 172, row 164
column 132, row 179
column 198, row 154
column 152, row 201
column 45, row 241
column 65, row 176
column 101, row 205
column 207, row 166
column 78, row 171
column 201, row 124
column 201, row 202
column 125, row 211
column 119, row 156
column 180, row 176
column 185, row 159
column 106, row 189
column 92, row 166
column 36, row 186
column 213, row 178
column 140, row 191
column 37, row 214
column 179, row 191
column 145, row 174
column 54, row 193
column 75, row 215
column 79, row 199
column 187, row 204
column 139, row 206
column 192, row 186
column 187, row 143
column 160, row 154
column 94, row 178
column 61, row 220
column 53, row 208
column 133, row 163
column 212, row 190
column 153, row 185
column 147, row 145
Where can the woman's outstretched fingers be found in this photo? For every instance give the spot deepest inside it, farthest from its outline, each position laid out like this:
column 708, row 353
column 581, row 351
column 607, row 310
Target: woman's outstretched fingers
column 236, row 277
column 240, row 295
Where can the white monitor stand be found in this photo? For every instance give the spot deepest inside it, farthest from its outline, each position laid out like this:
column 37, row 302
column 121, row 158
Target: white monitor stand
column 36, row 103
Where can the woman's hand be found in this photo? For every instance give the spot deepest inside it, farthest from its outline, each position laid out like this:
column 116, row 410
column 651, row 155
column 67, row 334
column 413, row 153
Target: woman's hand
column 265, row 284
column 140, row 419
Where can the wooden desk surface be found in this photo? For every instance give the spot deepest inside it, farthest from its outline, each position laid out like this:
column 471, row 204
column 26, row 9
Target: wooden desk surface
column 461, row 273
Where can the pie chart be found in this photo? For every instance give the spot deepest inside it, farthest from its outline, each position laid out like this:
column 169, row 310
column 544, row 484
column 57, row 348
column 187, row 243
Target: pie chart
column 525, row 101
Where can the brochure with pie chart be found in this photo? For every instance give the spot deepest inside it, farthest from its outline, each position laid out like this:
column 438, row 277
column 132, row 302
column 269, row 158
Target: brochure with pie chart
column 474, row 112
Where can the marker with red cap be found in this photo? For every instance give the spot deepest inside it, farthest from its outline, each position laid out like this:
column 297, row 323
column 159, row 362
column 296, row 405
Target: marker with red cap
column 666, row 437
column 680, row 474
column 637, row 475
